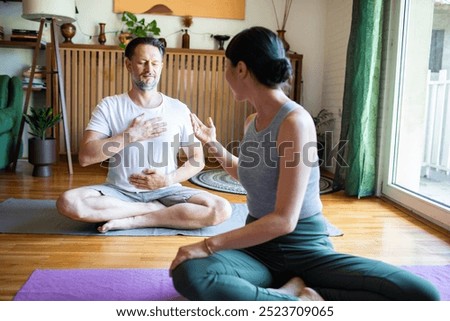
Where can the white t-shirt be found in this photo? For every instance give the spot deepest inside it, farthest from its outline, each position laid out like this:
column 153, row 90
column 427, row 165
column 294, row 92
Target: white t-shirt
column 114, row 114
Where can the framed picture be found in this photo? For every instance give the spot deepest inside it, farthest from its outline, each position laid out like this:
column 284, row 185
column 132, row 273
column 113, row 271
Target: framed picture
column 223, row 9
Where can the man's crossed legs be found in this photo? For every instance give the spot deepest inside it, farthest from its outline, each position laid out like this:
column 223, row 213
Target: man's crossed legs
column 176, row 207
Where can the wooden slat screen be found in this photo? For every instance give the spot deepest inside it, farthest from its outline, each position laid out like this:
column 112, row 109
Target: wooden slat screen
column 89, row 76
column 196, row 77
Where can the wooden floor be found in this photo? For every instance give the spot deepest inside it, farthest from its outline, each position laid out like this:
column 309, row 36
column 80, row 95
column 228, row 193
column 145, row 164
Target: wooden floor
column 372, row 227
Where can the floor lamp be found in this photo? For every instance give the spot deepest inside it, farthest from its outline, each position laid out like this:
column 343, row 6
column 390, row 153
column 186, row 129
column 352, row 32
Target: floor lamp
column 48, row 11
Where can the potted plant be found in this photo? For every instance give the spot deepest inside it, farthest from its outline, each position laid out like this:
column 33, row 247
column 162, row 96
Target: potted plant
column 42, row 146
column 136, row 28
column 323, row 122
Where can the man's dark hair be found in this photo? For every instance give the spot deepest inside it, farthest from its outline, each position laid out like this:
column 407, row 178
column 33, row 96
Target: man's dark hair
column 131, row 47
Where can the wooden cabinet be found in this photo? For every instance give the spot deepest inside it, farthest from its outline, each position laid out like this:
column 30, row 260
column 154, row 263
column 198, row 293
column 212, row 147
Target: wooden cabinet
column 196, row 77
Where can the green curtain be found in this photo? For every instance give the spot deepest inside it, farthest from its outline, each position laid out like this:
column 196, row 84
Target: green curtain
column 356, row 171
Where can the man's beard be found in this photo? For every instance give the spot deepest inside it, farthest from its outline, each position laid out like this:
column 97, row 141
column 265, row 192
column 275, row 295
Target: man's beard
column 144, row 86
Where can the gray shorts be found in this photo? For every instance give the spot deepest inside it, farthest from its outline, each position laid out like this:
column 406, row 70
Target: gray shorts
column 167, row 196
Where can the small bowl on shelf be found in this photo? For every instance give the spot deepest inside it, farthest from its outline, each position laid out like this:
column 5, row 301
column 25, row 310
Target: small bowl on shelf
column 221, row 40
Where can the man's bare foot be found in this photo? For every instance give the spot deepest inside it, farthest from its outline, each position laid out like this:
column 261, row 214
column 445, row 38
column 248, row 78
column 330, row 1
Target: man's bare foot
column 120, row 224
column 297, row 287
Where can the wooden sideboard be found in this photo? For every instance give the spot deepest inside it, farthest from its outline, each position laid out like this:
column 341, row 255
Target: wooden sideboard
column 196, row 77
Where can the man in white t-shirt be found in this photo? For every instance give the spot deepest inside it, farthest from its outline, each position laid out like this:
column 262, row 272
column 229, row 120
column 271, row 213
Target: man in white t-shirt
column 140, row 134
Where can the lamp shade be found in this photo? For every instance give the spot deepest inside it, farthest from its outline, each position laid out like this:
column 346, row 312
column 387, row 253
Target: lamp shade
column 62, row 10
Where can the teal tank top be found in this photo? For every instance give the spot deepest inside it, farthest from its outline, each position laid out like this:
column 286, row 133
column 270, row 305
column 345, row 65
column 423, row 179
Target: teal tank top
column 259, row 169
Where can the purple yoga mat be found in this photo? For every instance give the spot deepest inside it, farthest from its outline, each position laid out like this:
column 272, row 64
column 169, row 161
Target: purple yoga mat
column 145, row 284
column 439, row 275
column 99, row 285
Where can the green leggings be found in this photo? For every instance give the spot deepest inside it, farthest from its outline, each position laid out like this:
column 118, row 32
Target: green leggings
column 307, row 253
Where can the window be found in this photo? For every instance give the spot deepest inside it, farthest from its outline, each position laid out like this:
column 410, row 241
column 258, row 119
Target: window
column 416, row 162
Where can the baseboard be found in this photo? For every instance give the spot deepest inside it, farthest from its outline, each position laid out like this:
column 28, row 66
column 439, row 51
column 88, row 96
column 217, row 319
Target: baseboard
column 416, row 216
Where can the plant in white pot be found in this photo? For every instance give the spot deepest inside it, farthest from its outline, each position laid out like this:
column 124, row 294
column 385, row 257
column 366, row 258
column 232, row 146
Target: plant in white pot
column 42, row 146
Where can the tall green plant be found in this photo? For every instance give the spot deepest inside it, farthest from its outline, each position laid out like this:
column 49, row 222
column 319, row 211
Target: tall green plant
column 140, row 28
column 40, row 120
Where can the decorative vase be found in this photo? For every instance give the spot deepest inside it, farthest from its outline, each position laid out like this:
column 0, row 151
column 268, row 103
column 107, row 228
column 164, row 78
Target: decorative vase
column 42, row 154
column 102, row 35
column 68, row 31
column 221, row 40
column 185, row 39
column 281, row 35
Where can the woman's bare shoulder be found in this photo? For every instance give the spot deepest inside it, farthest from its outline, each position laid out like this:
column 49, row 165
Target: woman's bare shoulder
column 299, row 116
column 298, row 122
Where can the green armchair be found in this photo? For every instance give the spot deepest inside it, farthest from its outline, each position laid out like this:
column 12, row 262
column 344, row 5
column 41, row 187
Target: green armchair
column 11, row 104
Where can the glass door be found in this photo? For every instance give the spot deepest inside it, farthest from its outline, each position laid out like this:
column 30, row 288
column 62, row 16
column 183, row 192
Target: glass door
column 416, row 166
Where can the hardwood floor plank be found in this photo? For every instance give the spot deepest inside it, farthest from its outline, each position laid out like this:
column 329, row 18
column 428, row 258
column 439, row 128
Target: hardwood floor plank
column 372, row 227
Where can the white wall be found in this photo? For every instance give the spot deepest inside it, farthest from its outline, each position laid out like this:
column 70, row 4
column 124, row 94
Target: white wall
column 336, row 41
column 338, row 17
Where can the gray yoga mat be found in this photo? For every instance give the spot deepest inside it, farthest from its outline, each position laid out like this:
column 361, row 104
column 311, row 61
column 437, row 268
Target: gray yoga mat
column 27, row 216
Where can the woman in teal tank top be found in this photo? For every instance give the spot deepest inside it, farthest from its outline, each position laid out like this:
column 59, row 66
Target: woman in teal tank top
column 283, row 252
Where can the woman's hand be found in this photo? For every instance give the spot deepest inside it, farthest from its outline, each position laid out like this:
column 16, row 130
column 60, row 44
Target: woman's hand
column 191, row 251
column 204, row 133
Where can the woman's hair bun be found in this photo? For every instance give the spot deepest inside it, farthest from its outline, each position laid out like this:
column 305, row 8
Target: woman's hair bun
column 263, row 53
column 281, row 69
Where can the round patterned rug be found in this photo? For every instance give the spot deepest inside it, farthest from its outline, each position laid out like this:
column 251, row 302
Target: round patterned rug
column 219, row 180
